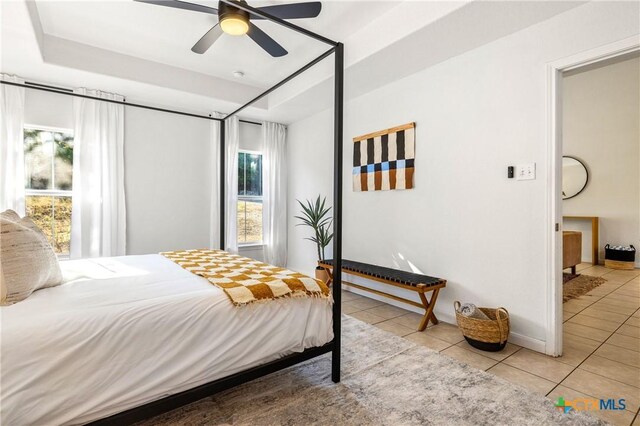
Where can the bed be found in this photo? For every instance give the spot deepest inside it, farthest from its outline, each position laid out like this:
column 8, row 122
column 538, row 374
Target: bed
column 132, row 337
column 122, row 332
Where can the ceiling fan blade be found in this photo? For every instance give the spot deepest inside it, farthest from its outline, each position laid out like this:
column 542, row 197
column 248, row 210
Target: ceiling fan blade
column 267, row 43
column 181, row 5
column 292, row 11
column 207, row 40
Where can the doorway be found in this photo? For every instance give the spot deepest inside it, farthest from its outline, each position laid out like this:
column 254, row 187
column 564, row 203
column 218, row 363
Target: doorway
column 595, row 330
column 576, row 168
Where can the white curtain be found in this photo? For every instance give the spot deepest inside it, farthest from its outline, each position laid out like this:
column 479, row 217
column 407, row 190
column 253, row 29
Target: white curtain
column 214, row 166
column 12, row 145
column 274, row 193
column 232, row 133
column 98, row 216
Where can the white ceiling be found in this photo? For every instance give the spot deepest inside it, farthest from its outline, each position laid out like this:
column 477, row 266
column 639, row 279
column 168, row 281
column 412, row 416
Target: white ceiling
column 165, row 35
column 143, row 51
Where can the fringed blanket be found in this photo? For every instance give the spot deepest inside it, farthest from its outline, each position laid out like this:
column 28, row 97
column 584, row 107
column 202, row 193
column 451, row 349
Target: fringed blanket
column 246, row 280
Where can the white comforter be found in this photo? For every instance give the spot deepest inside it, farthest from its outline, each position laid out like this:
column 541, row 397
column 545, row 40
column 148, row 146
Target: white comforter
column 128, row 330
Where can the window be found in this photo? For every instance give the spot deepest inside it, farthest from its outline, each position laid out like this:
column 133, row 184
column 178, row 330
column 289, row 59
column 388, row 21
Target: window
column 48, row 157
column 249, row 197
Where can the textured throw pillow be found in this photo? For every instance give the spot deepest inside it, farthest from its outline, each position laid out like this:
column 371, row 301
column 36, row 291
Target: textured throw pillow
column 27, row 261
column 10, row 215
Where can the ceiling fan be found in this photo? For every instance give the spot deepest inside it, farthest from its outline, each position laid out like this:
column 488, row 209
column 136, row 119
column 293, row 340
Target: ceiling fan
column 237, row 22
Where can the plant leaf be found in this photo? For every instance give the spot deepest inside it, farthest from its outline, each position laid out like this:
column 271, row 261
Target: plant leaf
column 316, row 215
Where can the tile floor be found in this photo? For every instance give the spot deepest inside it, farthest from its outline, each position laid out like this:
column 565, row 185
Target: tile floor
column 601, row 344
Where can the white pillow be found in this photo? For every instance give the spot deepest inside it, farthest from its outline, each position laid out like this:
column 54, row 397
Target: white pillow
column 27, row 261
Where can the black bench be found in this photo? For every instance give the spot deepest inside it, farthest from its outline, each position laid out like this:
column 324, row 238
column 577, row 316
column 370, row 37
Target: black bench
column 422, row 284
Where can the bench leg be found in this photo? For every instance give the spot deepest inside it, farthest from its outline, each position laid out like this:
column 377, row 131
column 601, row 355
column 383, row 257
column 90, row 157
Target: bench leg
column 330, row 274
column 428, row 306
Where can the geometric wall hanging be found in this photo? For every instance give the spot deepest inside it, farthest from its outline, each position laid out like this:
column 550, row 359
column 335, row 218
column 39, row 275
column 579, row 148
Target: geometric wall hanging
column 384, row 160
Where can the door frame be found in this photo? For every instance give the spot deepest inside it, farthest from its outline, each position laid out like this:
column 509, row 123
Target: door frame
column 553, row 345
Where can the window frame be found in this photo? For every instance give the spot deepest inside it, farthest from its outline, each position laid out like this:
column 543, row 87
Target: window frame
column 250, row 197
column 60, row 193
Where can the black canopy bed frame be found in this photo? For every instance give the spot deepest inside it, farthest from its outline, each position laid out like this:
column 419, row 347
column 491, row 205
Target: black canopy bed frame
column 174, row 401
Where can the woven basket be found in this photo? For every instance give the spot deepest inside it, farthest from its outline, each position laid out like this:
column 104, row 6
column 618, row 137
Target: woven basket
column 488, row 335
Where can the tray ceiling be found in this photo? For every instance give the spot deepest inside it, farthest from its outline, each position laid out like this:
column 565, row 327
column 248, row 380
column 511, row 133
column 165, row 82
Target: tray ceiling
column 165, row 35
column 143, row 51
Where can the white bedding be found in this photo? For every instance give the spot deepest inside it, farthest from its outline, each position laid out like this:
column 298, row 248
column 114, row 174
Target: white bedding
column 128, row 330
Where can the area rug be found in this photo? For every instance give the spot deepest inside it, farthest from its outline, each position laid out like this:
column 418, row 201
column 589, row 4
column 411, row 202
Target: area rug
column 386, row 380
column 576, row 285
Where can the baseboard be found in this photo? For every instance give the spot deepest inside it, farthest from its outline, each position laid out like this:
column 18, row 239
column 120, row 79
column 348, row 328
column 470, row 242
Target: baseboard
column 528, row 342
column 515, row 338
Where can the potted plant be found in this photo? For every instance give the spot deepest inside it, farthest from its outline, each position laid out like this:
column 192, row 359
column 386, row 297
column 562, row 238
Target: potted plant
column 315, row 214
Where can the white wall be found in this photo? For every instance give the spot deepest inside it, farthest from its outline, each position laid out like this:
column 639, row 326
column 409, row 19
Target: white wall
column 601, row 118
column 464, row 221
column 310, row 171
column 167, row 175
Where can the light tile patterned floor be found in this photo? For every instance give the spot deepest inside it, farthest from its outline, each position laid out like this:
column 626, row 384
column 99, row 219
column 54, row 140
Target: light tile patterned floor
column 601, row 344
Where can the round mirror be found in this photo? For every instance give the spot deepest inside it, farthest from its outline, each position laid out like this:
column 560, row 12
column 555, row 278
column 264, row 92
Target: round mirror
column 574, row 177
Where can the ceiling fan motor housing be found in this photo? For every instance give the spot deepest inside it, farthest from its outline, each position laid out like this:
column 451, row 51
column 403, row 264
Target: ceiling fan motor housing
column 227, row 11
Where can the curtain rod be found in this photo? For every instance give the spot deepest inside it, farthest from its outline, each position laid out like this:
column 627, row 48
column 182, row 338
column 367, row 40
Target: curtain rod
column 69, row 92
column 65, row 91
column 250, row 122
column 62, row 89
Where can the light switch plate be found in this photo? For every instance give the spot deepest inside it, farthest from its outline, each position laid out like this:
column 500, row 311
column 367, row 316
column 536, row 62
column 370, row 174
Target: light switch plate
column 526, row 171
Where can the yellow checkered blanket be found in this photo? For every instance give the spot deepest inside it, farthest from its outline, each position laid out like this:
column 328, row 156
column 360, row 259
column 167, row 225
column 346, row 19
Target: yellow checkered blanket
column 246, row 280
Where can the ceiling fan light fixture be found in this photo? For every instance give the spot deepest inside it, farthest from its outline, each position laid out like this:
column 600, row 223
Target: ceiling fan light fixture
column 233, row 21
column 234, row 24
